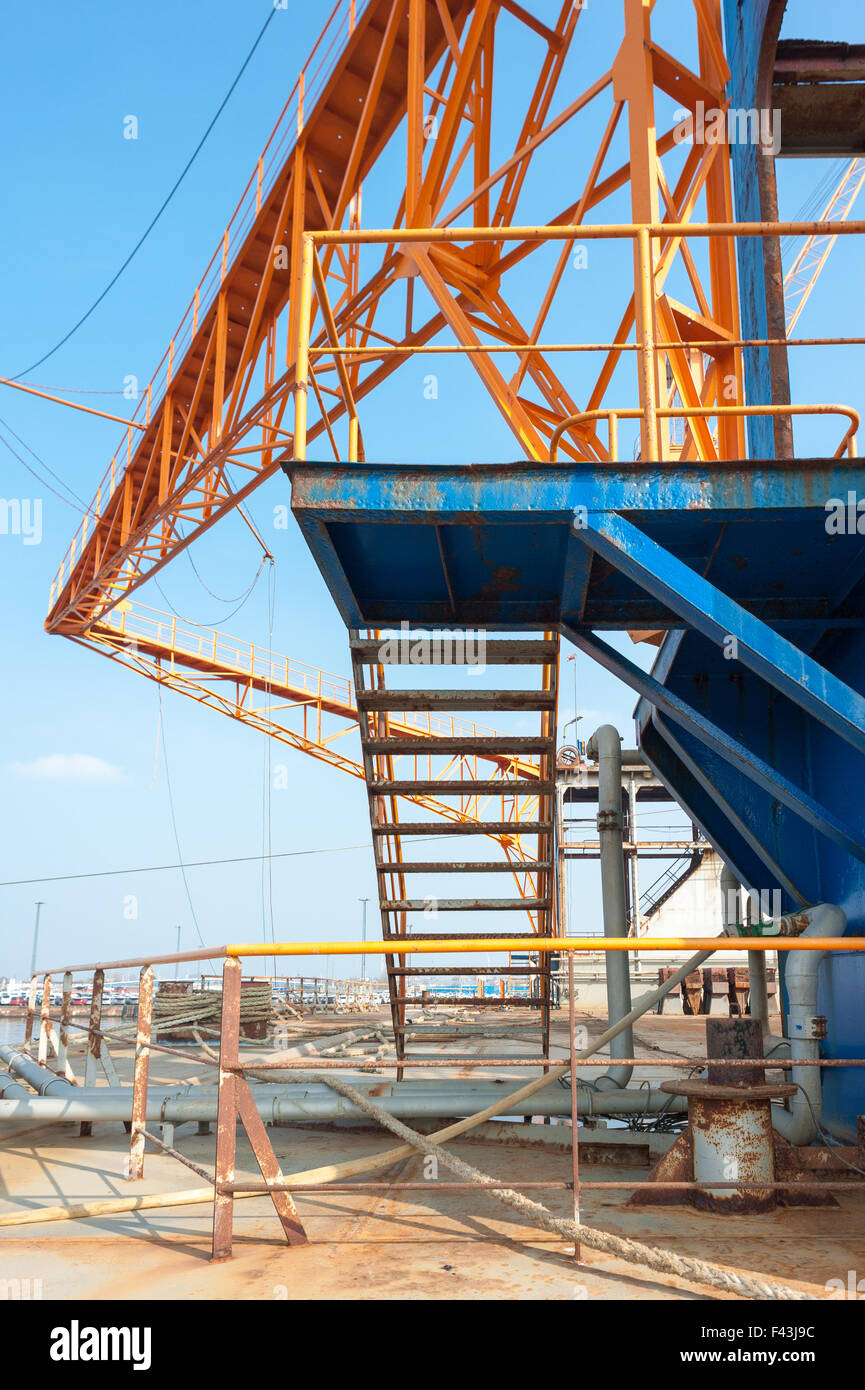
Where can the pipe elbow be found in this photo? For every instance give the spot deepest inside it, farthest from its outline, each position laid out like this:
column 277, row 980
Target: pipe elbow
column 605, row 740
column 800, row 974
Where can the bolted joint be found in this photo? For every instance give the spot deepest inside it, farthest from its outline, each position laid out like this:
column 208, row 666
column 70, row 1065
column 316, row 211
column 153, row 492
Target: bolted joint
column 812, row 1028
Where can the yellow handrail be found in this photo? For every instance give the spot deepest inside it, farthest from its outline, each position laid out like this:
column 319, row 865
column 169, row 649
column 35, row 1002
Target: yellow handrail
column 613, row 414
column 406, row 945
column 641, row 234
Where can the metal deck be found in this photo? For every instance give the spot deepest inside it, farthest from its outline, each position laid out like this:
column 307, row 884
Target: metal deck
column 397, row 1243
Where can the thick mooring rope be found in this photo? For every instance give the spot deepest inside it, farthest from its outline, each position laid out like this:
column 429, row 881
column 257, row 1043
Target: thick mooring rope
column 180, row 1010
column 175, row 1011
column 652, row 1257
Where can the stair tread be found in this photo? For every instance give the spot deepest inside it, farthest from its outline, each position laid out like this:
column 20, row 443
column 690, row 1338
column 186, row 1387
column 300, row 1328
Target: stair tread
column 456, row 699
column 464, row 904
column 528, row 937
column 431, row 743
column 438, row 866
column 443, row 827
column 465, row 787
column 496, row 652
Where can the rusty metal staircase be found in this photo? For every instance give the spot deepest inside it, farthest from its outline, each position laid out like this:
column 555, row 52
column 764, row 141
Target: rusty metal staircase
column 441, row 754
column 666, row 884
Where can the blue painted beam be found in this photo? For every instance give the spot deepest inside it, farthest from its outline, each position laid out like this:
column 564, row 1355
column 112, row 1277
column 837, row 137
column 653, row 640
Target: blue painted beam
column 744, row 759
column 718, row 820
column 718, row 617
column 319, row 540
column 745, row 26
column 700, row 775
column 484, row 493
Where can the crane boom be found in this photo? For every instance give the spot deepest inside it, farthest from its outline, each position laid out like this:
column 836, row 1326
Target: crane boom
column 814, row 253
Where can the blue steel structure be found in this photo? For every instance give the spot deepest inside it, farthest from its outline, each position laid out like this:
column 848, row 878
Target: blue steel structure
column 754, row 714
column 751, row 29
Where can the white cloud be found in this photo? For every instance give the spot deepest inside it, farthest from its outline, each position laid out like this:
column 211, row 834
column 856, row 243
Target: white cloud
column 70, row 767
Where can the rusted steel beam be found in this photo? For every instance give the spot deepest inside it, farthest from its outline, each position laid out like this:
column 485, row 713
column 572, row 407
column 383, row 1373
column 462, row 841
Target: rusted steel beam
column 181, row 1158
column 100, row 1033
column 462, row 787
column 816, row 60
column 455, row 699
column 169, row 958
column 423, row 744
column 462, row 904
column 486, row 827
column 468, row 866
column 140, row 1073
column 377, row 1063
column 496, row 652
column 382, row 1185
column 613, row 1186
column 268, row 1163
column 821, row 118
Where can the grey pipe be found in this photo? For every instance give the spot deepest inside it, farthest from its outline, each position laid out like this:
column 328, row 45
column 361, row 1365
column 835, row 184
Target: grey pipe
column 730, row 899
column 10, row 1089
column 799, row 1124
column 317, row 1103
column 605, row 746
column 107, row 1104
column 44, row 1082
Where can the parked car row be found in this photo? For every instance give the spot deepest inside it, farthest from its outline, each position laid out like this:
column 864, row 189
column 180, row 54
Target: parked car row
column 80, row 1000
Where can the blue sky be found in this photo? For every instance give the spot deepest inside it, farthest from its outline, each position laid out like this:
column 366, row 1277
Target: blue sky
column 82, row 783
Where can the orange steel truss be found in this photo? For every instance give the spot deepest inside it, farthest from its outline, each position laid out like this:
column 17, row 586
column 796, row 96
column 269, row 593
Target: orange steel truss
column 813, row 255
column 311, row 711
column 416, row 77
column 220, row 396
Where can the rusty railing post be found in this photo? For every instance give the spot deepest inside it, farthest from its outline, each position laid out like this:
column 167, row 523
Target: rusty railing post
column 31, row 1012
column 226, row 1113
column 65, row 1011
column 140, row 1076
column 575, row 1143
column 236, row 1100
column 44, row 1021
column 94, row 1042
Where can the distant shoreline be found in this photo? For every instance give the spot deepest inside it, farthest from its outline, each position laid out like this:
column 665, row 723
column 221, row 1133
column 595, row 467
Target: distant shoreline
column 79, row 1011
